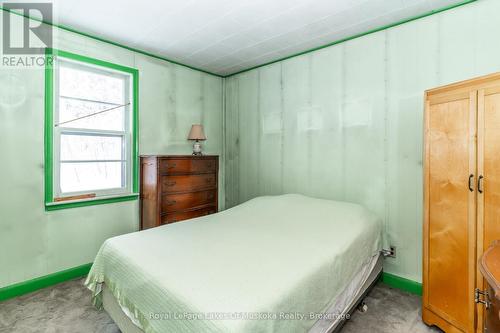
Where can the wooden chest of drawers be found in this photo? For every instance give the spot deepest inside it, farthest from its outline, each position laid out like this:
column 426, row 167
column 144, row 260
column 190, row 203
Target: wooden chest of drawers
column 176, row 188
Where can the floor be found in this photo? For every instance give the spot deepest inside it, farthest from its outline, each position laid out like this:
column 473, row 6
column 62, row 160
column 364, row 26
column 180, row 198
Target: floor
column 389, row 310
column 66, row 308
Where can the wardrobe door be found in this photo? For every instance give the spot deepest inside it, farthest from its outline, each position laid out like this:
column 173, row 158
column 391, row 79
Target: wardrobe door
column 489, row 173
column 450, row 213
column 489, row 165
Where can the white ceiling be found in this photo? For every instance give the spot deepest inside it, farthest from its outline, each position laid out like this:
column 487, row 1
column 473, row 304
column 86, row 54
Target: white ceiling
column 227, row 36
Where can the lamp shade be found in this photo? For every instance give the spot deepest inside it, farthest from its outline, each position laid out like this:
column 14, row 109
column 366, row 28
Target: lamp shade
column 196, row 133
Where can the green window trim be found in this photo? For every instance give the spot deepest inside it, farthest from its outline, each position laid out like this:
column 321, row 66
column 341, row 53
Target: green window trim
column 91, row 202
column 49, row 132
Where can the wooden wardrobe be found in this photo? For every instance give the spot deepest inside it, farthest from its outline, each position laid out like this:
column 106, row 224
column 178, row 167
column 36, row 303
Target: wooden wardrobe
column 461, row 200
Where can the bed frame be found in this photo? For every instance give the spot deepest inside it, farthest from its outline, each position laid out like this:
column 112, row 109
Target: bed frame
column 358, row 300
column 126, row 325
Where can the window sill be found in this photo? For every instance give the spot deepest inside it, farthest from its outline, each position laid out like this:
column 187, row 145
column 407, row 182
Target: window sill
column 50, row 206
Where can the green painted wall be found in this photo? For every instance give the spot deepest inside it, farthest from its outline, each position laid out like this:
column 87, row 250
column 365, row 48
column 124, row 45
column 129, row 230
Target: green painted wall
column 36, row 243
column 346, row 122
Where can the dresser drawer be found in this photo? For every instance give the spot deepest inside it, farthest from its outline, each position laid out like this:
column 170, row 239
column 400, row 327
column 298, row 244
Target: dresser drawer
column 180, row 166
column 177, row 187
column 179, row 216
column 172, row 184
column 173, row 202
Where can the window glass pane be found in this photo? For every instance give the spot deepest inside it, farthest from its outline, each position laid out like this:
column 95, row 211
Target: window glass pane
column 88, row 84
column 77, row 177
column 90, row 147
column 85, row 154
column 70, row 109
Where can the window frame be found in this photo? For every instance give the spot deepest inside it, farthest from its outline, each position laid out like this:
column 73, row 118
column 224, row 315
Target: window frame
column 130, row 192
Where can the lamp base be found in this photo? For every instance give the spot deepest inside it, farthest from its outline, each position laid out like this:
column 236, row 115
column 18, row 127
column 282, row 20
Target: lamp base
column 197, row 148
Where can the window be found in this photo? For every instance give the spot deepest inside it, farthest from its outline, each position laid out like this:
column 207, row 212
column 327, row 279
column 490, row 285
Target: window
column 91, row 139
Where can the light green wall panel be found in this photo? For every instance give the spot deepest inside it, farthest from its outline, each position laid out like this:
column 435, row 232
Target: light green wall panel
column 363, row 122
column 270, row 135
column 325, row 132
column 249, row 129
column 346, row 122
column 231, row 141
column 410, row 71
column 34, row 242
column 296, row 138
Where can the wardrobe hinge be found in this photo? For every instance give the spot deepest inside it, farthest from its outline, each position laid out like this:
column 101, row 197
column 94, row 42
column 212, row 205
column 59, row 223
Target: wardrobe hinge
column 481, row 296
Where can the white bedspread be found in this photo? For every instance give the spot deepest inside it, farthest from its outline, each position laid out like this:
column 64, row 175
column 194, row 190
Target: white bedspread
column 262, row 265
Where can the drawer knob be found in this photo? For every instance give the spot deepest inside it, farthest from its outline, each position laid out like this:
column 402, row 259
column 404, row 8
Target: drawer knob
column 170, row 184
column 171, row 166
column 171, row 202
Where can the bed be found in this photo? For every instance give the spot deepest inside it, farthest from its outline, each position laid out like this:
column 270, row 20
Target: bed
column 285, row 263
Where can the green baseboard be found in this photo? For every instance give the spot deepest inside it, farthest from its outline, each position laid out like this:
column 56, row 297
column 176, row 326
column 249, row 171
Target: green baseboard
column 402, row 283
column 68, row 274
column 43, row 281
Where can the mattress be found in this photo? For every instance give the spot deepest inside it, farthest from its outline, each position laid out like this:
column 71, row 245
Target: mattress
column 331, row 321
column 272, row 264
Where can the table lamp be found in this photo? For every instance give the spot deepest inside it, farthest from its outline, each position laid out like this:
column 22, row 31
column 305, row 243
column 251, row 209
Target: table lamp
column 197, row 135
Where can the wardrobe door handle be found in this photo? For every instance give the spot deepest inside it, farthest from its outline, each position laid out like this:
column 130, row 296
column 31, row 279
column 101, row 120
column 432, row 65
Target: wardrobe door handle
column 480, row 184
column 471, row 180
